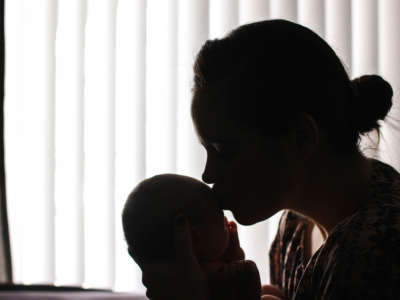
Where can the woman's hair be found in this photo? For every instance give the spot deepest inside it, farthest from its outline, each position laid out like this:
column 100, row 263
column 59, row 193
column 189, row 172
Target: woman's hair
column 269, row 73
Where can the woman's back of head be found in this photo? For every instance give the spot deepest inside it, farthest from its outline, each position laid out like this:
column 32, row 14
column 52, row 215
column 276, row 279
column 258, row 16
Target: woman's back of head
column 270, row 72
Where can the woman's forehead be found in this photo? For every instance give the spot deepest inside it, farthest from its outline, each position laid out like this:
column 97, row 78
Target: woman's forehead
column 218, row 132
column 212, row 122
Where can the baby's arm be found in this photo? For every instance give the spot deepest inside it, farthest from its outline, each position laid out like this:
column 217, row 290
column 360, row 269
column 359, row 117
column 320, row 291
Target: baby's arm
column 238, row 280
column 248, row 280
column 232, row 277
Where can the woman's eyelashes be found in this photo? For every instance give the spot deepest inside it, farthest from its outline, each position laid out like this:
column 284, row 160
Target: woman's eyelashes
column 223, row 151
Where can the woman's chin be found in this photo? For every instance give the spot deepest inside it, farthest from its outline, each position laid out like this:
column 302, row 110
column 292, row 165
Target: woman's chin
column 244, row 219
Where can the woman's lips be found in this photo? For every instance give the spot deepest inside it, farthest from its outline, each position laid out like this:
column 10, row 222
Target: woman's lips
column 219, row 198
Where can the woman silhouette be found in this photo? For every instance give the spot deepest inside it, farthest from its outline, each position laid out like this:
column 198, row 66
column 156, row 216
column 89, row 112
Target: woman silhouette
column 281, row 123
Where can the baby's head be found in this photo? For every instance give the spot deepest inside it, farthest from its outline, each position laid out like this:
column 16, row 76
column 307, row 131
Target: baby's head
column 149, row 214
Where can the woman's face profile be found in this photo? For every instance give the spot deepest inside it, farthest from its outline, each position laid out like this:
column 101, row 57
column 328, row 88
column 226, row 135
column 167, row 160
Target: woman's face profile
column 251, row 176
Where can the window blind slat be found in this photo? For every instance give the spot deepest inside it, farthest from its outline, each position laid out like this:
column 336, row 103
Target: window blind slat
column 48, row 142
column 161, row 75
column 13, row 129
column 69, row 143
column 311, row 13
column 284, row 9
column 253, row 10
column 130, row 126
column 224, row 16
column 31, row 185
column 389, row 62
column 99, row 144
column 338, row 29
column 365, row 53
column 364, row 37
column 192, row 33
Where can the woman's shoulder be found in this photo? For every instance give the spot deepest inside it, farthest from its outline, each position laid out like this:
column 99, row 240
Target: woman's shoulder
column 374, row 230
column 382, row 206
column 380, row 214
column 362, row 250
column 378, row 217
column 385, row 186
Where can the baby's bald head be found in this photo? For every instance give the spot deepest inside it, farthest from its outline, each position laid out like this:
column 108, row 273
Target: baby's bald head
column 151, row 208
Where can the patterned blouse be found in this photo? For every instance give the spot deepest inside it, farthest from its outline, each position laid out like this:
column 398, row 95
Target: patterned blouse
column 360, row 259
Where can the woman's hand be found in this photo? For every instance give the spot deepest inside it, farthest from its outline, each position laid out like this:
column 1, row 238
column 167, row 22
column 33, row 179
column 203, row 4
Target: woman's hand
column 180, row 279
column 271, row 292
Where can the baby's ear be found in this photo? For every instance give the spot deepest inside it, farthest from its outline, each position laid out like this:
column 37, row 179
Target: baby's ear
column 132, row 255
column 195, row 234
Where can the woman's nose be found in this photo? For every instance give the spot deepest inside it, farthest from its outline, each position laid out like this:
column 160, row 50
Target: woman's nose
column 209, row 173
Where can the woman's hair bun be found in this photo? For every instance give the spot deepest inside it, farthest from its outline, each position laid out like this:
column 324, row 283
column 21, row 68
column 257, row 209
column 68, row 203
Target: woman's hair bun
column 373, row 100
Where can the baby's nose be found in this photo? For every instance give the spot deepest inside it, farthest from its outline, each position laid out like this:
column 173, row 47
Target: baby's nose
column 206, row 178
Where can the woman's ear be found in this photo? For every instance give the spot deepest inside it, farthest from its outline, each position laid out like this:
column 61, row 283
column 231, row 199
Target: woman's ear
column 307, row 136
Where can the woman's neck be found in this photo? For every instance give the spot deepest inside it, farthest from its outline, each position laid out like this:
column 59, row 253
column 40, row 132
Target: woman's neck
column 334, row 190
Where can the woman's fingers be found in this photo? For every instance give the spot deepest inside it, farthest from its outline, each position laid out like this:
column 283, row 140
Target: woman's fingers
column 272, row 290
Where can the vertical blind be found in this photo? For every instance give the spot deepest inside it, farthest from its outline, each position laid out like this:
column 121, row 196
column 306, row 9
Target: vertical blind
column 97, row 98
column 5, row 255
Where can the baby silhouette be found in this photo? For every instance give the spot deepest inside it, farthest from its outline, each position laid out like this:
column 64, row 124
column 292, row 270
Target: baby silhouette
column 148, row 217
